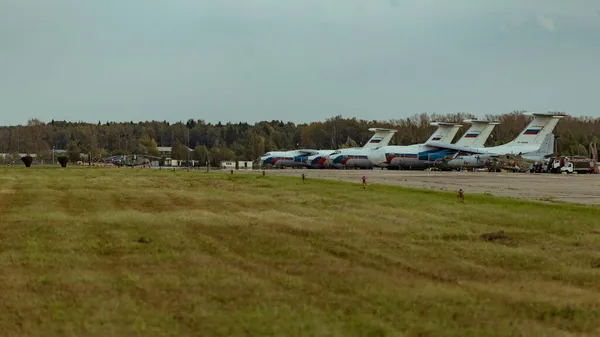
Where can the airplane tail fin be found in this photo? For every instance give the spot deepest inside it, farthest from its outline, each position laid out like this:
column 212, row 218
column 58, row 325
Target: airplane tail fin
column 382, row 137
column 535, row 132
column 477, row 134
column 445, row 132
column 546, row 149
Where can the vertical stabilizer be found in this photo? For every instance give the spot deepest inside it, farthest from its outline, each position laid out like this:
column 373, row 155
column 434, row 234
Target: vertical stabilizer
column 477, row 134
column 382, row 137
column 445, row 132
column 546, row 148
column 536, row 131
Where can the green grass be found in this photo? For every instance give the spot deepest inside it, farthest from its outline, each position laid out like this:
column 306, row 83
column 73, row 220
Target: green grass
column 249, row 255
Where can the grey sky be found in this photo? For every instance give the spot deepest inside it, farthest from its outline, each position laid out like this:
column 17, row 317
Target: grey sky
column 298, row 60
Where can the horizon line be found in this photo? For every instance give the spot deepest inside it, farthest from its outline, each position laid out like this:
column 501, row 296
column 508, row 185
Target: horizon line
column 170, row 122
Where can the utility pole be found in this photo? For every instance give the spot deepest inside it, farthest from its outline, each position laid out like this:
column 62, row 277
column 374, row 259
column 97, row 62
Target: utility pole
column 53, row 154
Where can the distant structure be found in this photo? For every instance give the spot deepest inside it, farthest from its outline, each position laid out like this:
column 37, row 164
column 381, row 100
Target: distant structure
column 19, row 155
column 239, row 165
column 227, row 165
column 166, row 152
column 245, row 165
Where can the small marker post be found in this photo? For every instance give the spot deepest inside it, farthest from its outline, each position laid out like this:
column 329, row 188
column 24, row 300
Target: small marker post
column 461, row 195
column 263, row 173
column 303, row 178
column 364, row 181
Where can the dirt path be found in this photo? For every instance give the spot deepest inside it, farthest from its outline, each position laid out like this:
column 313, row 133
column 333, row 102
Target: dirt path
column 581, row 188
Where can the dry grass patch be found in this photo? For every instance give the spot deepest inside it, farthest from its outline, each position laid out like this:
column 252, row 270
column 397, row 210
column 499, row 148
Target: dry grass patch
column 121, row 252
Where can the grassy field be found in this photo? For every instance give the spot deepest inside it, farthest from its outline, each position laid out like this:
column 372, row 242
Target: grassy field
column 130, row 252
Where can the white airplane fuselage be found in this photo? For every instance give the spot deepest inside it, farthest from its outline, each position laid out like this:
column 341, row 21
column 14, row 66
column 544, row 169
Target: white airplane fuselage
column 293, row 158
column 319, row 160
column 417, row 156
column 356, row 157
column 482, row 159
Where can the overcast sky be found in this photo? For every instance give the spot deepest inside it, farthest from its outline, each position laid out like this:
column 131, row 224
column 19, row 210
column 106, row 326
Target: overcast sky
column 296, row 60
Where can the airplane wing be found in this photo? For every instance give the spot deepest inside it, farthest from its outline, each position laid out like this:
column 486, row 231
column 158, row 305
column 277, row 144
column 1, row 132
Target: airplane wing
column 307, row 151
column 454, row 147
column 445, row 124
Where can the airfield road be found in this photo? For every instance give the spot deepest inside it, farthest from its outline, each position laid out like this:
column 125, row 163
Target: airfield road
column 582, row 188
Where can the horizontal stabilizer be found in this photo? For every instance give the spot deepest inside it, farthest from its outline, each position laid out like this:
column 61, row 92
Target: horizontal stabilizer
column 546, row 114
column 445, row 124
column 382, row 130
column 474, row 121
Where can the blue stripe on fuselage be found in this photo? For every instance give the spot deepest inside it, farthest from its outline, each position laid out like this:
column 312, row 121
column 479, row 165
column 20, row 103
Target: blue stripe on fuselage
column 427, row 155
column 439, row 154
column 423, row 155
column 339, row 158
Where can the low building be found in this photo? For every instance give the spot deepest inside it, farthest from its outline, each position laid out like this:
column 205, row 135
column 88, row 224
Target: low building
column 164, row 150
column 228, row 165
column 244, row 165
column 20, row 155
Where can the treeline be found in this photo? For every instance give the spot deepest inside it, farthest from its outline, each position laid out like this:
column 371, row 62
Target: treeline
column 216, row 142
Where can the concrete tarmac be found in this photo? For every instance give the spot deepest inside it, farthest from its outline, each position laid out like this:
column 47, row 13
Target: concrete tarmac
column 576, row 188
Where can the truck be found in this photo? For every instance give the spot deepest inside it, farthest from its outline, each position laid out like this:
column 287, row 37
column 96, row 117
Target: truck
column 577, row 165
column 554, row 165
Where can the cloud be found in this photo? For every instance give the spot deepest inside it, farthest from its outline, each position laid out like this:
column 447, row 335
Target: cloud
column 545, row 23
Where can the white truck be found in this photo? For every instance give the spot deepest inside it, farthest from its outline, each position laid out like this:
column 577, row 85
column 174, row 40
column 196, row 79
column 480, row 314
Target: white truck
column 578, row 165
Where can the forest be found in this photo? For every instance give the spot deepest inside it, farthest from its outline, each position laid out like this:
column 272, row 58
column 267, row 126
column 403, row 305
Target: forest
column 243, row 141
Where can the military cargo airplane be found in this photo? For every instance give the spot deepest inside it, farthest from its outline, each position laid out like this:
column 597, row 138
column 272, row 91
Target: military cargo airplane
column 356, row 157
column 406, row 156
column 319, row 158
column 282, row 159
column 476, row 136
column 534, row 143
column 496, row 162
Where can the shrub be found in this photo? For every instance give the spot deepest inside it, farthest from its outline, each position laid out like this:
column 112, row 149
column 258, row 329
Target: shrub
column 63, row 161
column 27, row 160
